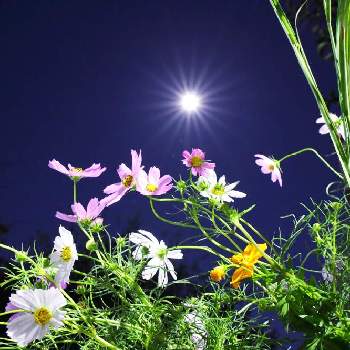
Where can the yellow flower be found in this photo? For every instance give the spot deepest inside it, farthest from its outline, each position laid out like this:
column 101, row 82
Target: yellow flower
column 217, row 273
column 247, row 259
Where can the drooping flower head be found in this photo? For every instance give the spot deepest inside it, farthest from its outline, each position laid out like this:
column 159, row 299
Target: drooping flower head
column 211, row 187
column 74, row 173
column 338, row 123
column 86, row 217
column 153, row 184
column 269, row 166
column 128, row 179
column 246, row 260
column 148, row 247
column 39, row 310
column 64, row 255
column 196, row 161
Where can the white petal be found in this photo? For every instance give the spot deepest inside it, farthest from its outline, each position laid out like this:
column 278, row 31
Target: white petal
column 170, row 268
column 66, row 236
column 236, row 194
column 162, row 277
column 231, row 186
column 175, row 254
column 22, row 329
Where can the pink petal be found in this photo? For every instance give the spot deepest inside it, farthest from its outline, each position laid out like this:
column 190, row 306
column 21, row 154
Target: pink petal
column 65, row 217
column 153, row 175
column 94, row 208
column 136, row 160
column 94, row 170
column 56, row 165
column 266, row 169
column 197, row 152
column 113, row 188
column 186, row 154
column 123, row 171
column 113, row 198
column 79, row 211
column 141, row 181
column 162, row 189
column 165, row 180
column 324, row 130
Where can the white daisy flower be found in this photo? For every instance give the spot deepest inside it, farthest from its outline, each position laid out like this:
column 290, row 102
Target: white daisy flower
column 39, row 310
column 210, row 187
column 148, row 247
column 198, row 332
column 64, row 255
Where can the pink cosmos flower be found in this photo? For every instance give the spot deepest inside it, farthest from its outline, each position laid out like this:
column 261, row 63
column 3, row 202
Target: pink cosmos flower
column 196, row 161
column 128, row 179
column 91, row 214
column 269, row 165
column 152, row 184
column 337, row 122
column 94, row 170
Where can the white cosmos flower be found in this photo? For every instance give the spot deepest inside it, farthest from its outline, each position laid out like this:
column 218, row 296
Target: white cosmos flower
column 64, row 255
column 338, row 123
column 211, row 187
column 40, row 310
column 198, row 332
column 148, row 247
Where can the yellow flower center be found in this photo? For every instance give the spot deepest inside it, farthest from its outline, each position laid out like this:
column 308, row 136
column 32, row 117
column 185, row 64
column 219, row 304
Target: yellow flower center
column 78, row 170
column 66, row 254
column 127, row 181
column 218, row 190
column 42, row 316
column 151, row 187
column 271, row 167
column 196, row 161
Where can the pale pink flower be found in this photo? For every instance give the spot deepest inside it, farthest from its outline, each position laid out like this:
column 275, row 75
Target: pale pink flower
column 92, row 212
column 74, row 173
column 338, row 123
column 269, row 165
column 152, row 184
column 196, row 161
column 128, row 179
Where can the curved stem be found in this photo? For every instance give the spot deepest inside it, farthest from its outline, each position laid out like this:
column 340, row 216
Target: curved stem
column 205, row 248
column 308, row 149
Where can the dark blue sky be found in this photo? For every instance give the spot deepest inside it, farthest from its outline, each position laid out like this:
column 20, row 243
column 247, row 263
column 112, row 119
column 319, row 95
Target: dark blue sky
column 86, row 81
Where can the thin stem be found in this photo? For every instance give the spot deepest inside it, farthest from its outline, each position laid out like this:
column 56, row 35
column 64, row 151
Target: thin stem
column 308, row 149
column 75, row 191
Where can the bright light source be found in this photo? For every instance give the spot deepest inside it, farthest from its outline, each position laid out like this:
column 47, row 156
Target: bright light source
column 190, row 102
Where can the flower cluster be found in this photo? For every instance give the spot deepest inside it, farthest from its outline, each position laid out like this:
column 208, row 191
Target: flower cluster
column 245, row 260
column 36, row 310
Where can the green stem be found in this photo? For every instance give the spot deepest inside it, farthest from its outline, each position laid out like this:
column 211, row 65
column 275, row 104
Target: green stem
column 308, row 149
column 205, row 248
column 75, row 191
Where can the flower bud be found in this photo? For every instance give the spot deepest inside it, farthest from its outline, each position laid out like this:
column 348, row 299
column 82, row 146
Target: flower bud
column 217, row 273
column 91, row 245
column 21, row 256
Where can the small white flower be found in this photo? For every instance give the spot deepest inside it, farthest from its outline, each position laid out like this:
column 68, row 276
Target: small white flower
column 40, row 309
column 198, row 334
column 148, row 247
column 64, row 255
column 210, row 187
column 338, row 123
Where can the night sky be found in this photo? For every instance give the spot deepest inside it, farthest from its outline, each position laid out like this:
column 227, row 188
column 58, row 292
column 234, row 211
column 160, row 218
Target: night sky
column 86, row 81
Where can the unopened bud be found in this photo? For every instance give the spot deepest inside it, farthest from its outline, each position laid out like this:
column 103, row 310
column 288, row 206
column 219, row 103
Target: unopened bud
column 91, row 245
